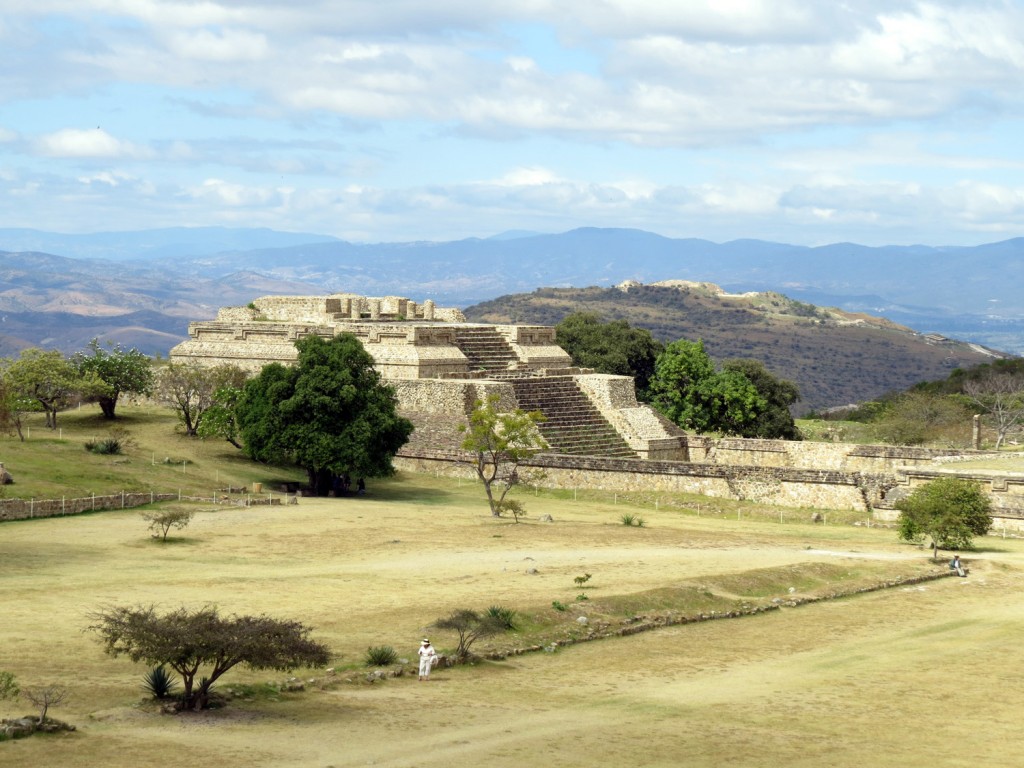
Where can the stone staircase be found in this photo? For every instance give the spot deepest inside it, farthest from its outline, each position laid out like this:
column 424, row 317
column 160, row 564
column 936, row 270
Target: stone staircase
column 486, row 350
column 573, row 426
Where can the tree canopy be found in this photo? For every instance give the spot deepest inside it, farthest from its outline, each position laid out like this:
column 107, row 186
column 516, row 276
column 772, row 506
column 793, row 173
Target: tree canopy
column 118, row 371
column 950, row 510
column 689, row 391
column 610, row 347
column 48, row 379
column 202, row 641
column 190, row 389
column 775, row 421
column 741, row 399
column 329, row 414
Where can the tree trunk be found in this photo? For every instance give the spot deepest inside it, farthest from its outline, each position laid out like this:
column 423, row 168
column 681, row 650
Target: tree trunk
column 107, row 405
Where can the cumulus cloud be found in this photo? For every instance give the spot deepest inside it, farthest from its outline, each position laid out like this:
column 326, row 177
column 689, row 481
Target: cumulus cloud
column 95, row 143
column 765, row 117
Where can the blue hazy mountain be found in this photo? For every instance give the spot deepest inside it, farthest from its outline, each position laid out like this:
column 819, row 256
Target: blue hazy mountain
column 974, row 293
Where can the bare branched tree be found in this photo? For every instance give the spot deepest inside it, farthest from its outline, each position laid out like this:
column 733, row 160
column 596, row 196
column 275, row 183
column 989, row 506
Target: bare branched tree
column 46, row 696
column 1001, row 396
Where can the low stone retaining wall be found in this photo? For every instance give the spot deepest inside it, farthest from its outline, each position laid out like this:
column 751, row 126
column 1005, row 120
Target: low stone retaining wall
column 781, row 486
column 637, row 624
column 26, row 509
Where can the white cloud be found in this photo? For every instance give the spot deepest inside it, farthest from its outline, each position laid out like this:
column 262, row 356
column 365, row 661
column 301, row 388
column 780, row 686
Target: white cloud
column 94, row 143
column 224, row 46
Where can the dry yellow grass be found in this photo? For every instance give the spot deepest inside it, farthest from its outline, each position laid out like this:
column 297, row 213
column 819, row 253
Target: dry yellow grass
column 916, row 676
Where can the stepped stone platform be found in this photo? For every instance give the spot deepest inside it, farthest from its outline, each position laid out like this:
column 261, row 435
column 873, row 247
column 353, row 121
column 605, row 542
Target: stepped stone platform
column 440, row 365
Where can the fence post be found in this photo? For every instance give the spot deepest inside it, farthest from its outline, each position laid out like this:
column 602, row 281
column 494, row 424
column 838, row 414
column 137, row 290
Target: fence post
column 122, row 498
column 31, row 508
column 62, row 505
column 94, row 501
column 179, row 494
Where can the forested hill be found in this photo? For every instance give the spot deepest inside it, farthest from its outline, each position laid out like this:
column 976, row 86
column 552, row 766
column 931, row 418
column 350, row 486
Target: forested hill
column 835, row 357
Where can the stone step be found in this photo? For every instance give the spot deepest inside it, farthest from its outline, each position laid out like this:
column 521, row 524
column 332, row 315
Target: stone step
column 573, row 425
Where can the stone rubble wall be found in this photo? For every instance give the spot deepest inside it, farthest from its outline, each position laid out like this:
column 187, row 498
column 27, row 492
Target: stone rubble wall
column 28, row 509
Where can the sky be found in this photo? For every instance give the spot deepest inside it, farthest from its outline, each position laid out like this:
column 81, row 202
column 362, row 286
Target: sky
column 799, row 121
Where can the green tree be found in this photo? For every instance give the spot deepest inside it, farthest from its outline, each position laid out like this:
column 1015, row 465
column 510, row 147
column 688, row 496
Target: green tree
column 610, row 347
column 330, row 413
column 12, row 405
column 202, row 641
column 190, row 389
column 220, row 419
column 470, row 626
column 8, row 686
column 951, row 510
column 775, row 421
column 162, row 520
column 48, row 379
column 121, row 371
column 689, row 391
column 500, row 442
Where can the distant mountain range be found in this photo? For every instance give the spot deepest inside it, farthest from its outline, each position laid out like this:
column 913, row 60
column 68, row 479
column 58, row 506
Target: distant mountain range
column 180, row 274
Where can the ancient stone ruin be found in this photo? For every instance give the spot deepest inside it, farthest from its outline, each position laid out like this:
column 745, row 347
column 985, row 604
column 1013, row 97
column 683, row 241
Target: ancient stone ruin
column 440, row 365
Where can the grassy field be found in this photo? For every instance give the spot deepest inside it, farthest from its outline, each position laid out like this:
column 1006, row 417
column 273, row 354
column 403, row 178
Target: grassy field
column 917, row 675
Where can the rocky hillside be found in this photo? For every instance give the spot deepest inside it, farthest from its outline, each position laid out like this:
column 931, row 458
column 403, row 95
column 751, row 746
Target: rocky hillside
column 835, row 357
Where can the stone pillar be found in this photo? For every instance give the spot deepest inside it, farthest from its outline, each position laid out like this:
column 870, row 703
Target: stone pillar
column 976, row 432
column 411, row 309
column 374, row 309
column 428, row 309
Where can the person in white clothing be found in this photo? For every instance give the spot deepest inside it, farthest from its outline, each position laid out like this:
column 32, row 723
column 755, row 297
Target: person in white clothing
column 428, row 656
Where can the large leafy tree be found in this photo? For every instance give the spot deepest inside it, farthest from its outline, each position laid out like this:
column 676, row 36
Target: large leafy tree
column 330, row 413
column 121, row 371
column 689, row 391
column 950, row 510
column 201, row 641
column 499, row 442
column 190, row 389
column 610, row 347
column 48, row 379
column 775, row 421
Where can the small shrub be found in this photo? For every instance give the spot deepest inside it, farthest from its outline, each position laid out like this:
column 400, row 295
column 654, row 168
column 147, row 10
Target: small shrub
column 161, row 521
column 8, row 686
column 159, row 682
column 108, row 446
column 581, row 580
column 630, row 520
column 559, row 606
column 581, row 597
column 46, row 696
column 504, row 616
column 380, row 656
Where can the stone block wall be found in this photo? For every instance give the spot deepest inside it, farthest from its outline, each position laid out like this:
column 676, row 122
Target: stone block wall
column 644, row 430
column 535, row 346
column 840, row 456
column 820, row 489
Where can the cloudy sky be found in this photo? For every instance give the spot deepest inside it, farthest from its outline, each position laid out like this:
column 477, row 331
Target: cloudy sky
column 802, row 121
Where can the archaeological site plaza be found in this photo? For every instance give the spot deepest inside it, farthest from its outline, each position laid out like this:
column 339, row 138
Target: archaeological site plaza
column 600, row 436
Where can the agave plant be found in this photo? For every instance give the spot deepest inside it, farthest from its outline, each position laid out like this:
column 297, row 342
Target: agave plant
column 159, row 682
